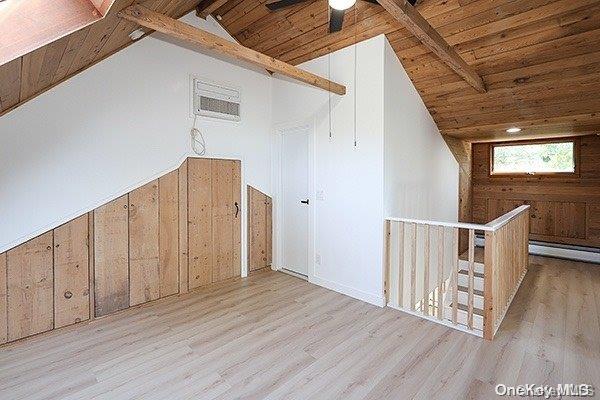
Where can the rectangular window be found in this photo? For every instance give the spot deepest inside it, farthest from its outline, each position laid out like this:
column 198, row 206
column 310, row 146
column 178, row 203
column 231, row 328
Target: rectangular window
column 534, row 158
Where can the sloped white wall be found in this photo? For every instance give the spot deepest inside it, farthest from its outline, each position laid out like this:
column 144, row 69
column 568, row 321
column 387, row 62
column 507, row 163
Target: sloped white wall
column 349, row 220
column 117, row 125
column 421, row 174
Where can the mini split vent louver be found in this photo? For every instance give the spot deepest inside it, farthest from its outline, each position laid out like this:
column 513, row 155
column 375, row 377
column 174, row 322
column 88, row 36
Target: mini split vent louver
column 216, row 101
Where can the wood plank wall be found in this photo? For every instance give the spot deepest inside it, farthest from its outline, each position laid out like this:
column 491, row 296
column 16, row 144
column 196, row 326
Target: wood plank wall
column 127, row 252
column 260, row 227
column 563, row 209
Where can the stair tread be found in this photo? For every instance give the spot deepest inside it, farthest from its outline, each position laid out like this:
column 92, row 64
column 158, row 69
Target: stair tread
column 479, row 255
column 466, row 290
column 465, row 308
column 466, row 272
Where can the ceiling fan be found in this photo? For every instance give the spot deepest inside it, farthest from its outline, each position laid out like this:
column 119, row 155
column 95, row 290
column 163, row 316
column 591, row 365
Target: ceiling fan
column 337, row 9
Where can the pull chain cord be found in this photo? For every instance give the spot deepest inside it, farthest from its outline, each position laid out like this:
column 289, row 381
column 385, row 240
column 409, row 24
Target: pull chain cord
column 198, row 143
column 355, row 85
column 329, row 92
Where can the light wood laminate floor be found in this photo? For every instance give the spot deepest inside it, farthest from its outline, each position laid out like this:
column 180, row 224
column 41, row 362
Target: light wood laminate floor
column 273, row 336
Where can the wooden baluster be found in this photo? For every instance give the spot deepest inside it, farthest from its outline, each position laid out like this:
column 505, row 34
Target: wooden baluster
column 471, row 277
column 440, row 273
column 425, row 301
column 455, row 277
column 413, row 269
column 488, row 295
column 401, row 264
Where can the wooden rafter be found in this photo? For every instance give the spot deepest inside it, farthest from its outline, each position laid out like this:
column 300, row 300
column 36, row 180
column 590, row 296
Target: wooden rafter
column 182, row 31
column 410, row 18
column 207, row 7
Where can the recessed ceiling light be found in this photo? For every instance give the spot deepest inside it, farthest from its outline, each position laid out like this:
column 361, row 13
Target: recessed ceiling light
column 341, row 4
column 135, row 35
column 513, row 130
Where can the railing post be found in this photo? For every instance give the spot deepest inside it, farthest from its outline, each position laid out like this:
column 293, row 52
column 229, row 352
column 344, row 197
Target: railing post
column 455, row 255
column 387, row 260
column 488, row 287
column 471, row 278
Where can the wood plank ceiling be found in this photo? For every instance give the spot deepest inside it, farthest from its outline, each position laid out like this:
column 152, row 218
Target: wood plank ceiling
column 42, row 69
column 540, row 59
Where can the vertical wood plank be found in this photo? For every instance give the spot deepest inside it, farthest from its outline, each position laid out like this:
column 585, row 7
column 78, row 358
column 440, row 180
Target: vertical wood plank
column 91, row 284
column 488, row 293
column 111, row 257
column 237, row 217
column 144, row 279
column 426, row 260
column 223, row 211
column 200, row 222
column 471, row 277
column 401, row 229
column 440, row 273
column 269, row 231
column 455, row 237
column 387, row 257
column 168, row 234
column 3, row 300
column 183, row 228
column 30, row 287
column 71, row 273
column 413, row 268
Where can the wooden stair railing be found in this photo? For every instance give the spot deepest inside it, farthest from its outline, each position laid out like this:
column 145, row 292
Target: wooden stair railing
column 427, row 276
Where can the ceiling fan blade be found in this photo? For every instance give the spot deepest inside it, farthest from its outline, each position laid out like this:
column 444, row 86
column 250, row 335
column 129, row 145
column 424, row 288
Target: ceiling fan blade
column 336, row 20
column 277, row 5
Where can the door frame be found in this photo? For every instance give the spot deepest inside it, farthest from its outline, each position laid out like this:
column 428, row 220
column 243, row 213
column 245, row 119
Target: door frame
column 243, row 207
column 276, row 168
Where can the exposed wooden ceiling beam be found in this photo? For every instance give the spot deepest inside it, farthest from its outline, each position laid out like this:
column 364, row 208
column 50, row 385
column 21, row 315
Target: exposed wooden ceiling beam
column 410, row 18
column 207, row 7
column 179, row 30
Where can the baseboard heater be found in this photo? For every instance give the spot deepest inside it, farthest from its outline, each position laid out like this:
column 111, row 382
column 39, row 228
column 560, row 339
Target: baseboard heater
column 568, row 252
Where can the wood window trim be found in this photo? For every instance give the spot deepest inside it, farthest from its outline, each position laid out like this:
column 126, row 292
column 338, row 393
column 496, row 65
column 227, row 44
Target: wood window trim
column 576, row 159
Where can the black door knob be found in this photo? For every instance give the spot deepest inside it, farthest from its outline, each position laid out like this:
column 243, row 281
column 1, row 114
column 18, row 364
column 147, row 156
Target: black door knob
column 304, row 201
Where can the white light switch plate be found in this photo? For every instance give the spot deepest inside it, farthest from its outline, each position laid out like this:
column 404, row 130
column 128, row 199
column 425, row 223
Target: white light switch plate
column 320, row 195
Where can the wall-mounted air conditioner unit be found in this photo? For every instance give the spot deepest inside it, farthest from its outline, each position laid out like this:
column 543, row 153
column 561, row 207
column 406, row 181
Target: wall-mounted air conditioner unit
column 215, row 100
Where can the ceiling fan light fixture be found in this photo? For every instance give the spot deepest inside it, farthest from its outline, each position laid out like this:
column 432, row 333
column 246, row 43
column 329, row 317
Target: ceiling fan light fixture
column 341, row 4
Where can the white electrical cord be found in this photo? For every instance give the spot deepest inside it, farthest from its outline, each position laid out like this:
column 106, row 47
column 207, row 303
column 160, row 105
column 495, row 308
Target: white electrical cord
column 198, row 143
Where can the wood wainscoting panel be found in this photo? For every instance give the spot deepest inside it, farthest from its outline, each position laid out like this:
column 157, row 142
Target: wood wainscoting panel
column 260, row 222
column 237, row 220
column 168, row 233
column 71, row 273
column 144, row 276
column 3, row 300
column 200, row 222
column 223, row 215
column 564, row 209
column 214, row 213
column 111, row 257
column 183, row 228
column 30, row 279
column 127, row 252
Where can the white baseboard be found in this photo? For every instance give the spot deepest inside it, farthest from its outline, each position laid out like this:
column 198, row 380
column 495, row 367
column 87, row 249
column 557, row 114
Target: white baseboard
column 569, row 253
column 349, row 291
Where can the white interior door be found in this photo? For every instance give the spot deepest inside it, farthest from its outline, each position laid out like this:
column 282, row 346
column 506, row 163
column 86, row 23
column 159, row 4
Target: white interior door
column 296, row 203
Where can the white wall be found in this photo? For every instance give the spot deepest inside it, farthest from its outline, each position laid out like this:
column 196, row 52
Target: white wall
column 349, row 221
column 117, row 125
column 401, row 166
column 421, row 174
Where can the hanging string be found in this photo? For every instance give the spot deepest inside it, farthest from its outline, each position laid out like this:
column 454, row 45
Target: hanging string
column 355, row 85
column 329, row 83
